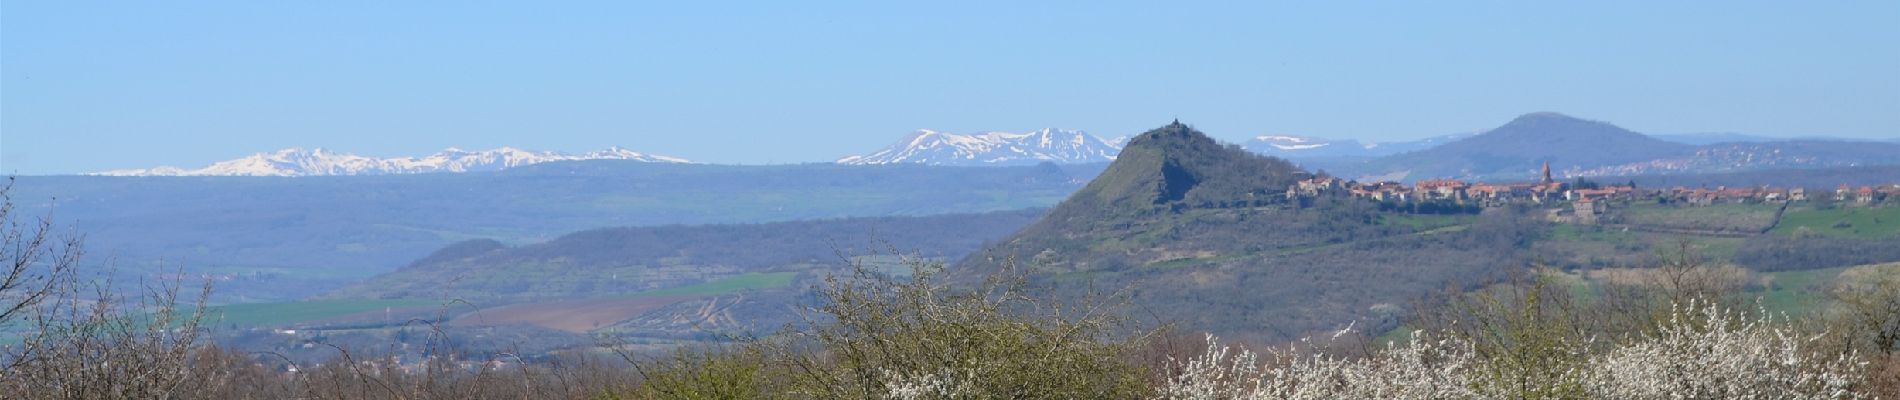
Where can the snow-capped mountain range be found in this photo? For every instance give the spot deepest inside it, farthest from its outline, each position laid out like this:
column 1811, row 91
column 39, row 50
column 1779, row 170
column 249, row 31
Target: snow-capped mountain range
column 323, row 162
column 992, row 148
column 1292, row 146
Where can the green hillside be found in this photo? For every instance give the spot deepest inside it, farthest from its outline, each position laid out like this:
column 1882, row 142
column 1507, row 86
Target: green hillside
column 1201, row 235
column 677, row 260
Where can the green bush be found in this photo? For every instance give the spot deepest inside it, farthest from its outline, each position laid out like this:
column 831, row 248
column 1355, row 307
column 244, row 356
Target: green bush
column 875, row 336
column 919, row 338
column 737, row 373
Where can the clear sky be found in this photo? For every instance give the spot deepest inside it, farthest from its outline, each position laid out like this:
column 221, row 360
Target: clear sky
column 88, row 86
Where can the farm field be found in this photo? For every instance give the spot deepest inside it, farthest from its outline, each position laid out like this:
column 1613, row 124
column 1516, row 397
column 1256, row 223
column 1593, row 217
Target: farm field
column 287, row 313
column 1726, row 218
column 1426, row 222
column 345, row 311
column 578, row 316
column 1782, row 293
column 1847, row 222
column 1796, row 292
column 763, row 280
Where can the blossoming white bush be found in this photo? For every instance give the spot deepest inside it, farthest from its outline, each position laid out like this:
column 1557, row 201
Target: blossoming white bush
column 947, row 385
column 1702, row 352
column 1712, row 353
column 1422, row 369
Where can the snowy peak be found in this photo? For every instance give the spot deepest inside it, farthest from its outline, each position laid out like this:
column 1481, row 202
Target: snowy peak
column 1294, row 146
column 992, row 148
column 1293, row 143
column 324, row 162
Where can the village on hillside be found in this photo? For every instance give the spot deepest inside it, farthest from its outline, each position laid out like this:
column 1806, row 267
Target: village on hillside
column 1587, row 200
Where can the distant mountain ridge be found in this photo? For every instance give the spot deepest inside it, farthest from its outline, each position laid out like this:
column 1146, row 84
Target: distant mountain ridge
column 1515, row 150
column 1749, row 156
column 1299, row 147
column 1708, row 138
column 1580, row 147
column 1519, row 146
column 323, row 162
column 992, row 148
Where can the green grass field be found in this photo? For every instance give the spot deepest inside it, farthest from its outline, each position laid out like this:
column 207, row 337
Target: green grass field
column 1848, row 222
column 1792, row 293
column 279, row 314
column 1581, row 233
column 1797, row 292
column 1721, row 217
column 1426, row 222
column 287, row 313
column 741, row 282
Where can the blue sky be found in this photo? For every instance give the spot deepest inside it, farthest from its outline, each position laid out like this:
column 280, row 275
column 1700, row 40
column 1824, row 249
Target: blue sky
column 88, row 86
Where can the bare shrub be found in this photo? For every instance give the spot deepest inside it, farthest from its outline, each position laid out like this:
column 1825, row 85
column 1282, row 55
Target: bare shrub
column 93, row 344
column 1883, row 375
column 1678, row 274
column 1532, row 335
column 36, row 260
column 1867, row 307
column 1864, row 316
column 81, row 340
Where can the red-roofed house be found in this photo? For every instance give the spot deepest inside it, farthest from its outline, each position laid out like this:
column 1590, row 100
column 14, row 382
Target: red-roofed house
column 1448, row 189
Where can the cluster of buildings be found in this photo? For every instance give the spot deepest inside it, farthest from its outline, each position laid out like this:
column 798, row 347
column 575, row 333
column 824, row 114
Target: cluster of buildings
column 1588, row 202
column 1488, row 194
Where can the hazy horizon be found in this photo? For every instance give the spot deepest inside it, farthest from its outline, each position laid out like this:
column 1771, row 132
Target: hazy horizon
column 895, row 139
column 86, row 89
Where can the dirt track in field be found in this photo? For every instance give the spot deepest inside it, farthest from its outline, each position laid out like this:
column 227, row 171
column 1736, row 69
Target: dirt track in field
column 578, row 316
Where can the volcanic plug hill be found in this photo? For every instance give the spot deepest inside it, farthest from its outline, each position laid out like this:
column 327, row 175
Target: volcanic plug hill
column 1201, row 234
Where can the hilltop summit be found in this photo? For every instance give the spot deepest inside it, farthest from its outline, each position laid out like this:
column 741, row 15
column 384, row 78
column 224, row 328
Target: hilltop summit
column 1178, row 165
column 1167, row 170
column 1173, row 169
column 1519, row 147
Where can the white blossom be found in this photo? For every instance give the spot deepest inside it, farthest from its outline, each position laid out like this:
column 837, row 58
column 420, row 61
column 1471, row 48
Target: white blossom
column 1702, row 352
column 946, row 385
column 1723, row 356
column 1423, row 369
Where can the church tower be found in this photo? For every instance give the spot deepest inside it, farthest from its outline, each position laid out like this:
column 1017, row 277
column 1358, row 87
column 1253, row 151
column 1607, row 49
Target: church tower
column 1547, row 172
